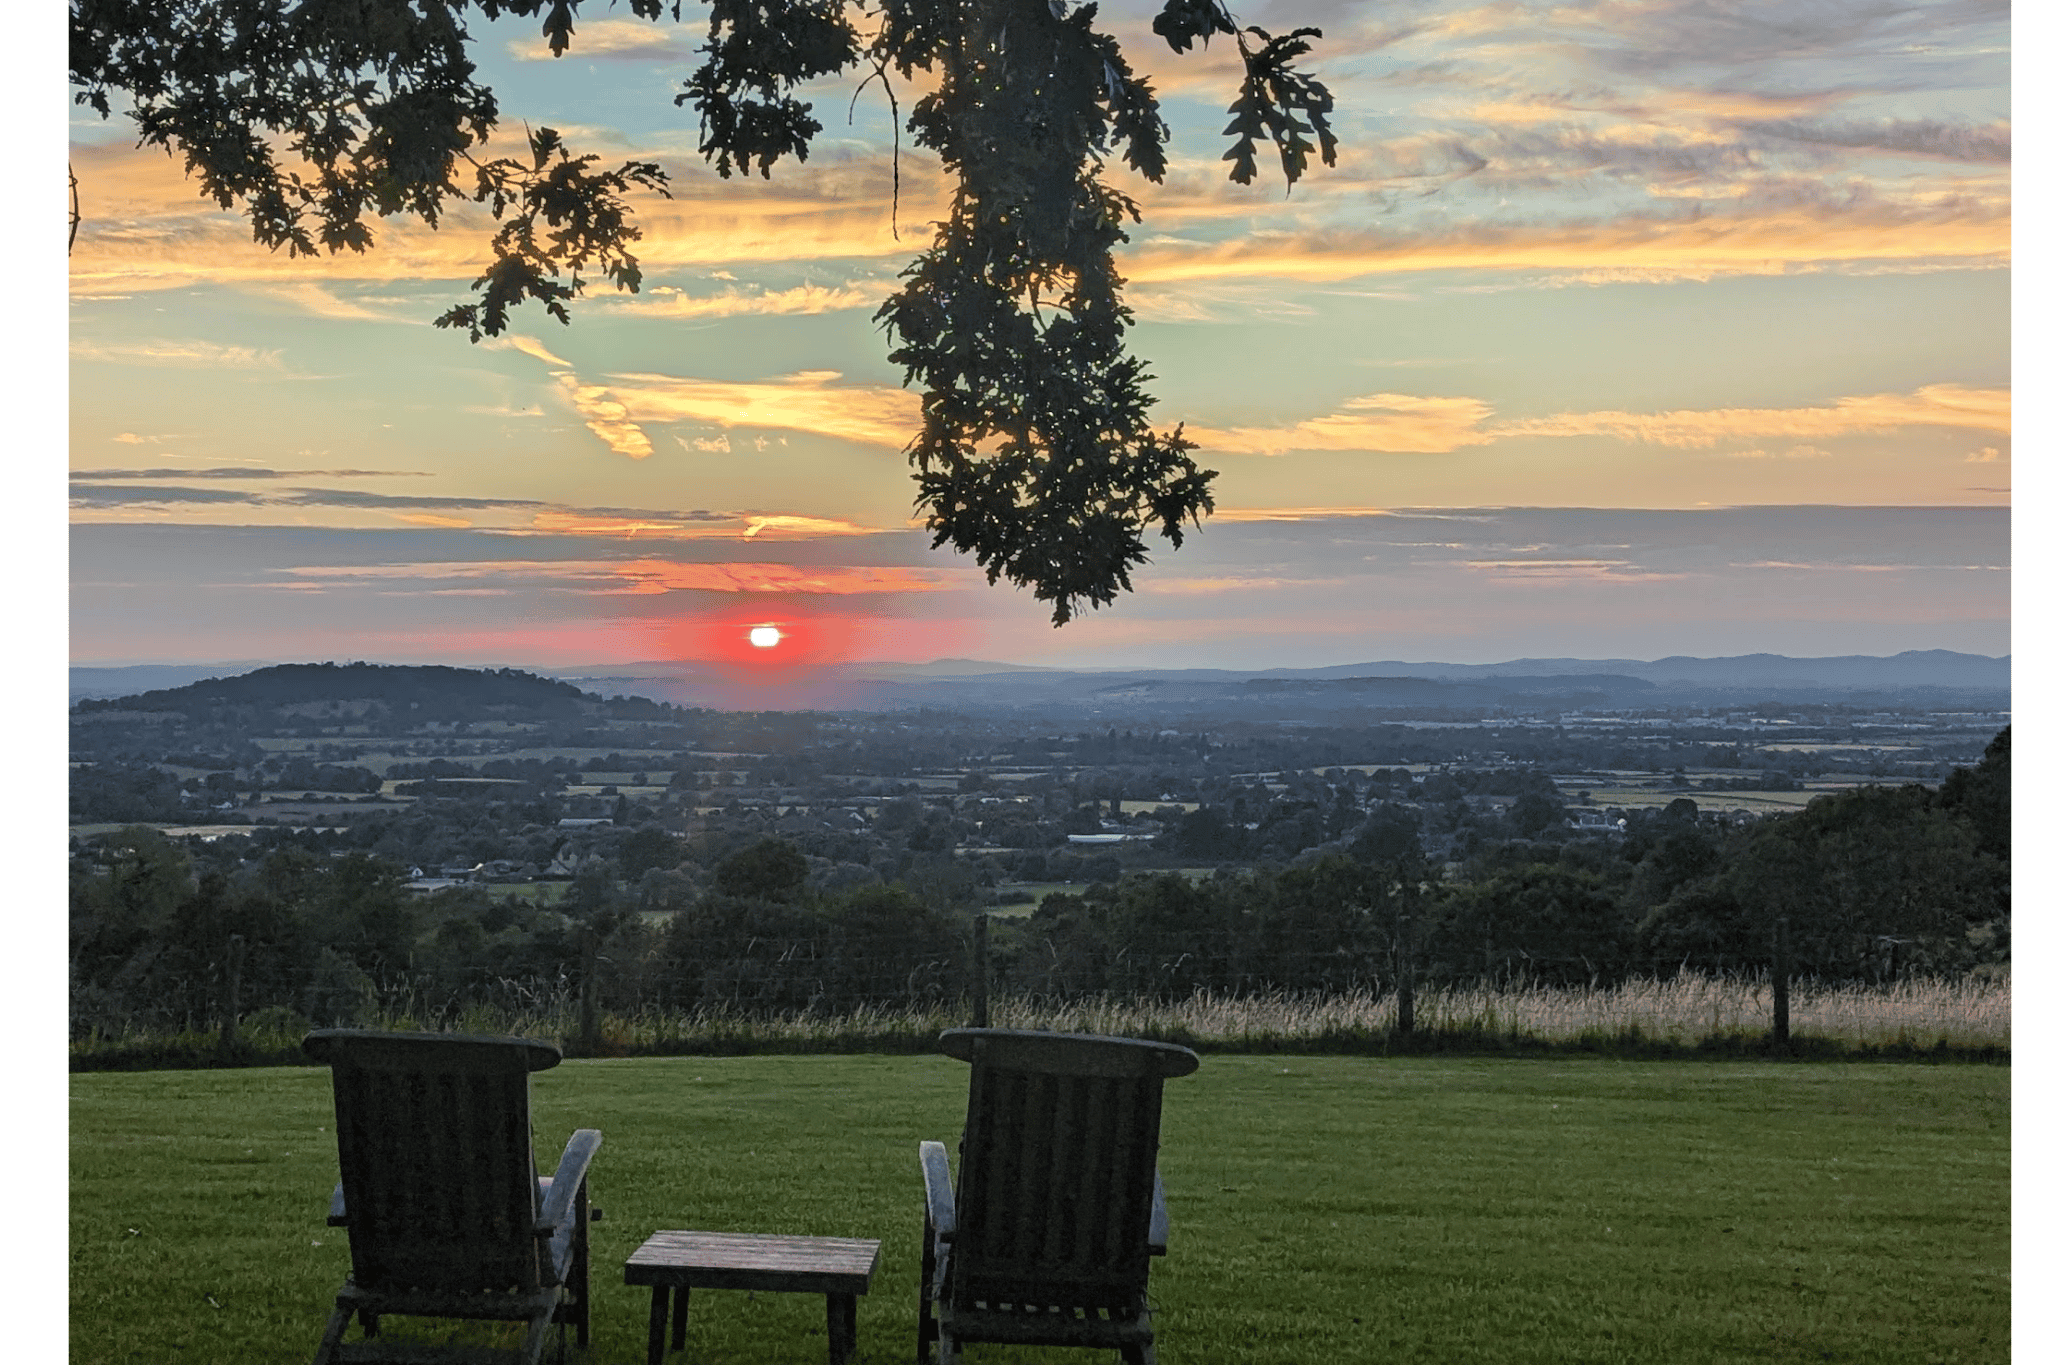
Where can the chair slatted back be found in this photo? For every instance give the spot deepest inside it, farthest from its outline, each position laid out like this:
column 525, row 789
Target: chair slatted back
column 435, row 1139
column 1056, row 1166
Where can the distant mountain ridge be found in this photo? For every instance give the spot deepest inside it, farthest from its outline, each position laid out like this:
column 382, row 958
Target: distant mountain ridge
column 1920, row 677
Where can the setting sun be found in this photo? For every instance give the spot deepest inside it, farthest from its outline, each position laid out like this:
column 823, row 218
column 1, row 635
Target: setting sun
column 764, row 637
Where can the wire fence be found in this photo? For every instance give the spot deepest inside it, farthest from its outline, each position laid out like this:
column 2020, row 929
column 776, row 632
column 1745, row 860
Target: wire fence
column 651, row 989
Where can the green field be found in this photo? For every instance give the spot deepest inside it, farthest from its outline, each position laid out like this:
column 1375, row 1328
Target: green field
column 1325, row 1208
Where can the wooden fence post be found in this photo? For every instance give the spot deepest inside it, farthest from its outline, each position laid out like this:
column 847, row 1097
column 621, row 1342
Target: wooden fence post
column 589, row 1001
column 1404, row 971
column 231, row 1013
column 981, row 971
column 1781, row 989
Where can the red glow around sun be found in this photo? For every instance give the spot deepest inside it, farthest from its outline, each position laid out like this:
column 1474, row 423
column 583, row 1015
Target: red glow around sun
column 769, row 640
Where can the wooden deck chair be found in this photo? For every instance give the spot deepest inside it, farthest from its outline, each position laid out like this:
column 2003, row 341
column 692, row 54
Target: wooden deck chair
column 446, row 1217
column 1049, row 1238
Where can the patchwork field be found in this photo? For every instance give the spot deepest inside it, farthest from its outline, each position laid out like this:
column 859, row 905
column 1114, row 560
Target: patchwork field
column 1325, row 1208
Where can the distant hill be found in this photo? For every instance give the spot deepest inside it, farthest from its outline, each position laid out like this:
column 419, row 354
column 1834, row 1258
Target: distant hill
column 416, row 692
column 1913, row 678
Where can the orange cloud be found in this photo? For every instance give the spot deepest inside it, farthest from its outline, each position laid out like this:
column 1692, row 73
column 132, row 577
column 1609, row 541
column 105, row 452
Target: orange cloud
column 608, row 418
column 569, row 523
column 808, row 401
column 646, row 577
column 1731, row 243
column 147, row 228
column 613, row 38
column 804, row 526
column 650, row 576
column 528, row 346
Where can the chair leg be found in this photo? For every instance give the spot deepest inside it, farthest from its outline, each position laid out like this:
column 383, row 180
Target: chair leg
column 839, row 1328
column 1140, row 1355
column 537, row 1336
column 337, row 1323
column 579, row 1265
column 927, row 1327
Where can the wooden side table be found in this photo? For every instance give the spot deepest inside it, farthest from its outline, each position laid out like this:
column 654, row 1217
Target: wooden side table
column 837, row 1267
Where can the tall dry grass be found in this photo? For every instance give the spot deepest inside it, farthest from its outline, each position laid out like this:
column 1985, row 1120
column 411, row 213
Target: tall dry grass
column 1686, row 1012
column 1690, row 1013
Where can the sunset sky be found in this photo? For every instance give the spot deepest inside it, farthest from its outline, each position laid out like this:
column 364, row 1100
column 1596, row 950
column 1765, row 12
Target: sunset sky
column 1621, row 329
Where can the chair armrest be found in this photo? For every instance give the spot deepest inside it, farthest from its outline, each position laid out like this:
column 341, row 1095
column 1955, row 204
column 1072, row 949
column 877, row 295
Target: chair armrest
column 560, row 1200
column 938, row 1188
column 337, row 1210
column 1156, row 1239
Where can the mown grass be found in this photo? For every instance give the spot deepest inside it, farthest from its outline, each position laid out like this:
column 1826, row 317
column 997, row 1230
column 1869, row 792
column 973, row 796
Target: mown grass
column 1325, row 1208
column 1691, row 1014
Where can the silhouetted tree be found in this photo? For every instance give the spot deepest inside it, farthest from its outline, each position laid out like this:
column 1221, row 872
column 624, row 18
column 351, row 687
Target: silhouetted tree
column 773, row 869
column 1036, row 454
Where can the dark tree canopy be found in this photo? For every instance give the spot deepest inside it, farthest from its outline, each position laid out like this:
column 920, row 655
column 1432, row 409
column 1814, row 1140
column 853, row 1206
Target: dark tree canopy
column 1036, row 454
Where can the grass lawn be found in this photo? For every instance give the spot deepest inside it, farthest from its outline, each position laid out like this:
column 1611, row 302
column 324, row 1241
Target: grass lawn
column 1325, row 1208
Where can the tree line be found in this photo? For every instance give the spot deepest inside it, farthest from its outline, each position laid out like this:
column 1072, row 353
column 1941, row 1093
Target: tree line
column 1869, row 884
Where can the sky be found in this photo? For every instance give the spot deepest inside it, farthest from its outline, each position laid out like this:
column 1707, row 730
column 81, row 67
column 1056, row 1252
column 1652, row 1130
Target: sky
column 1620, row 329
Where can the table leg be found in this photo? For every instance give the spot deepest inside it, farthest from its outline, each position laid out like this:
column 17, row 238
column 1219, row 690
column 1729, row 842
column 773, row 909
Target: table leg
column 839, row 1328
column 657, row 1324
column 682, row 1316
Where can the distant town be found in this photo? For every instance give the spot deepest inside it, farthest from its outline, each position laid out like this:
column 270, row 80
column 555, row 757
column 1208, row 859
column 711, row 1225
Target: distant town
column 504, row 777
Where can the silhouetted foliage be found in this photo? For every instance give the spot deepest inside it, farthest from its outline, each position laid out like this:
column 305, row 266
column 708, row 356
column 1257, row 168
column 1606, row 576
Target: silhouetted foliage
column 773, row 869
column 1036, row 454
column 1982, row 794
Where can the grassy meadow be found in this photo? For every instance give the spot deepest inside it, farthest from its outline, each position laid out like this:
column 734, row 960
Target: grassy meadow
column 1325, row 1208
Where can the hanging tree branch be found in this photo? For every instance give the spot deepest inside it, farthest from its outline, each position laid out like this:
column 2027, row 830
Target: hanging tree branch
column 1036, row 453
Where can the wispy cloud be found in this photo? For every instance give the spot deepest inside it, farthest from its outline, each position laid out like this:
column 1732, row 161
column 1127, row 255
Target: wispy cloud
column 118, row 488
column 663, row 576
column 609, row 419
column 1380, row 421
column 800, row 300
column 1575, row 570
column 527, row 345
column 613, row 39
column 813, row 401
column 247, row 472
column 1223, row 583
column 647, row 577
column 316, row 300
column 699, row 525
column 1692, row 246
column 210, row 355
column 804, row 526
column 122, row 495
column 1396, row 422
column 342, row 497
column 1941, row 405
